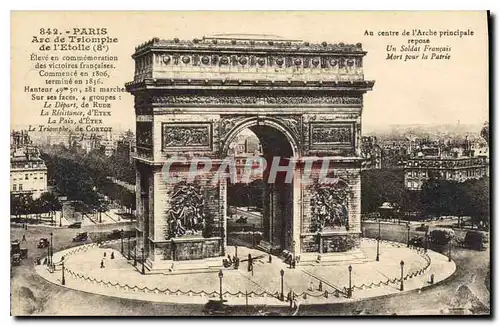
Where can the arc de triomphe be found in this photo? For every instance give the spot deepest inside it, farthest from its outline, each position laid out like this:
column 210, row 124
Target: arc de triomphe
column 302, row 100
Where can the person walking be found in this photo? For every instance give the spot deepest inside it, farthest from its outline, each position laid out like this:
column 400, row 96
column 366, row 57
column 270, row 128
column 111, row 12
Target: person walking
column 250, row 263
column 102, row 263
column 24, row 237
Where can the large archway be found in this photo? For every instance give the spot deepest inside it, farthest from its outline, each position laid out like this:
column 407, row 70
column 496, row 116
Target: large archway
column 278, row 151
column 302, row 100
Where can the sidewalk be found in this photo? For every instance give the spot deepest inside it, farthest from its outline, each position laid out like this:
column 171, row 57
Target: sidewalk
column 124, row 280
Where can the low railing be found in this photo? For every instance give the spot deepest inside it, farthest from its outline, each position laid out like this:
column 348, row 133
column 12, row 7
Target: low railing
column 253, row 294
column 397, row 280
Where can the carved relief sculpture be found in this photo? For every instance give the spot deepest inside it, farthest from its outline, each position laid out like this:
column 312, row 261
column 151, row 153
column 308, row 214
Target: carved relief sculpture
column 196, row 136
column 256, row 100
column 186, row 214
column 329, row 206
column 144, row 132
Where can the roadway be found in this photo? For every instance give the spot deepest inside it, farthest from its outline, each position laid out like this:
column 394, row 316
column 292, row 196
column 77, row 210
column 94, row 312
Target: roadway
column 32, row 295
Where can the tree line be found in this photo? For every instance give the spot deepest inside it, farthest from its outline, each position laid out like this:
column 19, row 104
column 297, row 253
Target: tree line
column 24, row 204
column 438, row 197
column 85, row 177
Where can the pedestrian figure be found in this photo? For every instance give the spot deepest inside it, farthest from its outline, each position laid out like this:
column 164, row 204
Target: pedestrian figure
column 104, row 254
column 311, row 286
column 24, row 237
column 320, row 286
column 236, row 263
column 293, row 263
column 102, row 263
column 229, row 259
column 112, row 255
column 250, row 263
column 270, row 259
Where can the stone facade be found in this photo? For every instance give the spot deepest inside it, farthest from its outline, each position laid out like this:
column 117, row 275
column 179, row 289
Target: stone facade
column 302, row 100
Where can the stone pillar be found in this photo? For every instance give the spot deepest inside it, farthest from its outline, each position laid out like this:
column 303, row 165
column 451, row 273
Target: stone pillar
column 223, row 213
column 297, row 212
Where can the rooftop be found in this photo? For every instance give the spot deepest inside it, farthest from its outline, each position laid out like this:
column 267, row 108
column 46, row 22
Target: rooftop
column 249, row 41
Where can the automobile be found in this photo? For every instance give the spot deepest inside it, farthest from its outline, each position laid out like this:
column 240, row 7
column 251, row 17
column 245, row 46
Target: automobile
column 16, row 260
column 476, row 240
column 242, row 220
column 217, row 307
column 81, row 237
column 76, row 225
column 115, row 234
column 15, row 249
column 417, row 241
column 422, row 228
column 43, row 243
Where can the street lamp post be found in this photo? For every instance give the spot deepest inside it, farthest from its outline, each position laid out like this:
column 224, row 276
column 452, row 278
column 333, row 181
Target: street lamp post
column 426, row 241
column 60, row 220
column 135, row 254
column 121, row 238
column 449, row 250
column 408, row 240
column 221, row 275
column 142, row 253
column 401, row 288
column 51, row 249
column 379, row 227
column 378, row 249
column 128, row 247
column 48, row 255
column 282, row 296
column 63, row 280
column 293, row 253
column 253, row 235
column 349, row 290
column 236, row 251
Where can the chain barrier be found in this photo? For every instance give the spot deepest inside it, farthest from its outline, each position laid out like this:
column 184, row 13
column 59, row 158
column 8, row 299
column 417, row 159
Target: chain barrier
column 306, row 294
column 419, row 272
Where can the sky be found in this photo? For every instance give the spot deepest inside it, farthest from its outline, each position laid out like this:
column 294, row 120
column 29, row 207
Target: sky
column 415, row 92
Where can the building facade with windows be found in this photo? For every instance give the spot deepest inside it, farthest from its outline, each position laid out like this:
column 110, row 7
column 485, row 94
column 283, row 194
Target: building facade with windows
column 460, row 169
column 28, row 172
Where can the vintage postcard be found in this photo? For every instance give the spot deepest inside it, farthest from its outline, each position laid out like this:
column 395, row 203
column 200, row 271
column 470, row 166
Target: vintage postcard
column 250, row 163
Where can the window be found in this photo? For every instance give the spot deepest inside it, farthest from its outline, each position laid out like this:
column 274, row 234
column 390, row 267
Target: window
column 20, row 187
column 14, row 187
column 26, row 176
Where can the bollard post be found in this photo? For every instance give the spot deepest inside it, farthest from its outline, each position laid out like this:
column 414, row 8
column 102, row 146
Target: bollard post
column 378, row 249
column 221, row 275
column 282, row 273
column 401, row 288
column 349, row 290
column 63, row 280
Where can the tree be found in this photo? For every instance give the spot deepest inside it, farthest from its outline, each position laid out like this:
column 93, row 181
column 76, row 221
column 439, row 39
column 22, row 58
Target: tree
column 383, row 185
column 485, row 132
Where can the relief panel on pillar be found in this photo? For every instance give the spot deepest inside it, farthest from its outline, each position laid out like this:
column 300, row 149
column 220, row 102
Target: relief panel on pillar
column 329, row 207
column 191, row 211
column 144, row 139
column 182, row 137
column 332, row 138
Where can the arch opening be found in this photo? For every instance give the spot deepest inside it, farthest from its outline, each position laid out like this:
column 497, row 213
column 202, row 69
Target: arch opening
column 260, row 202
